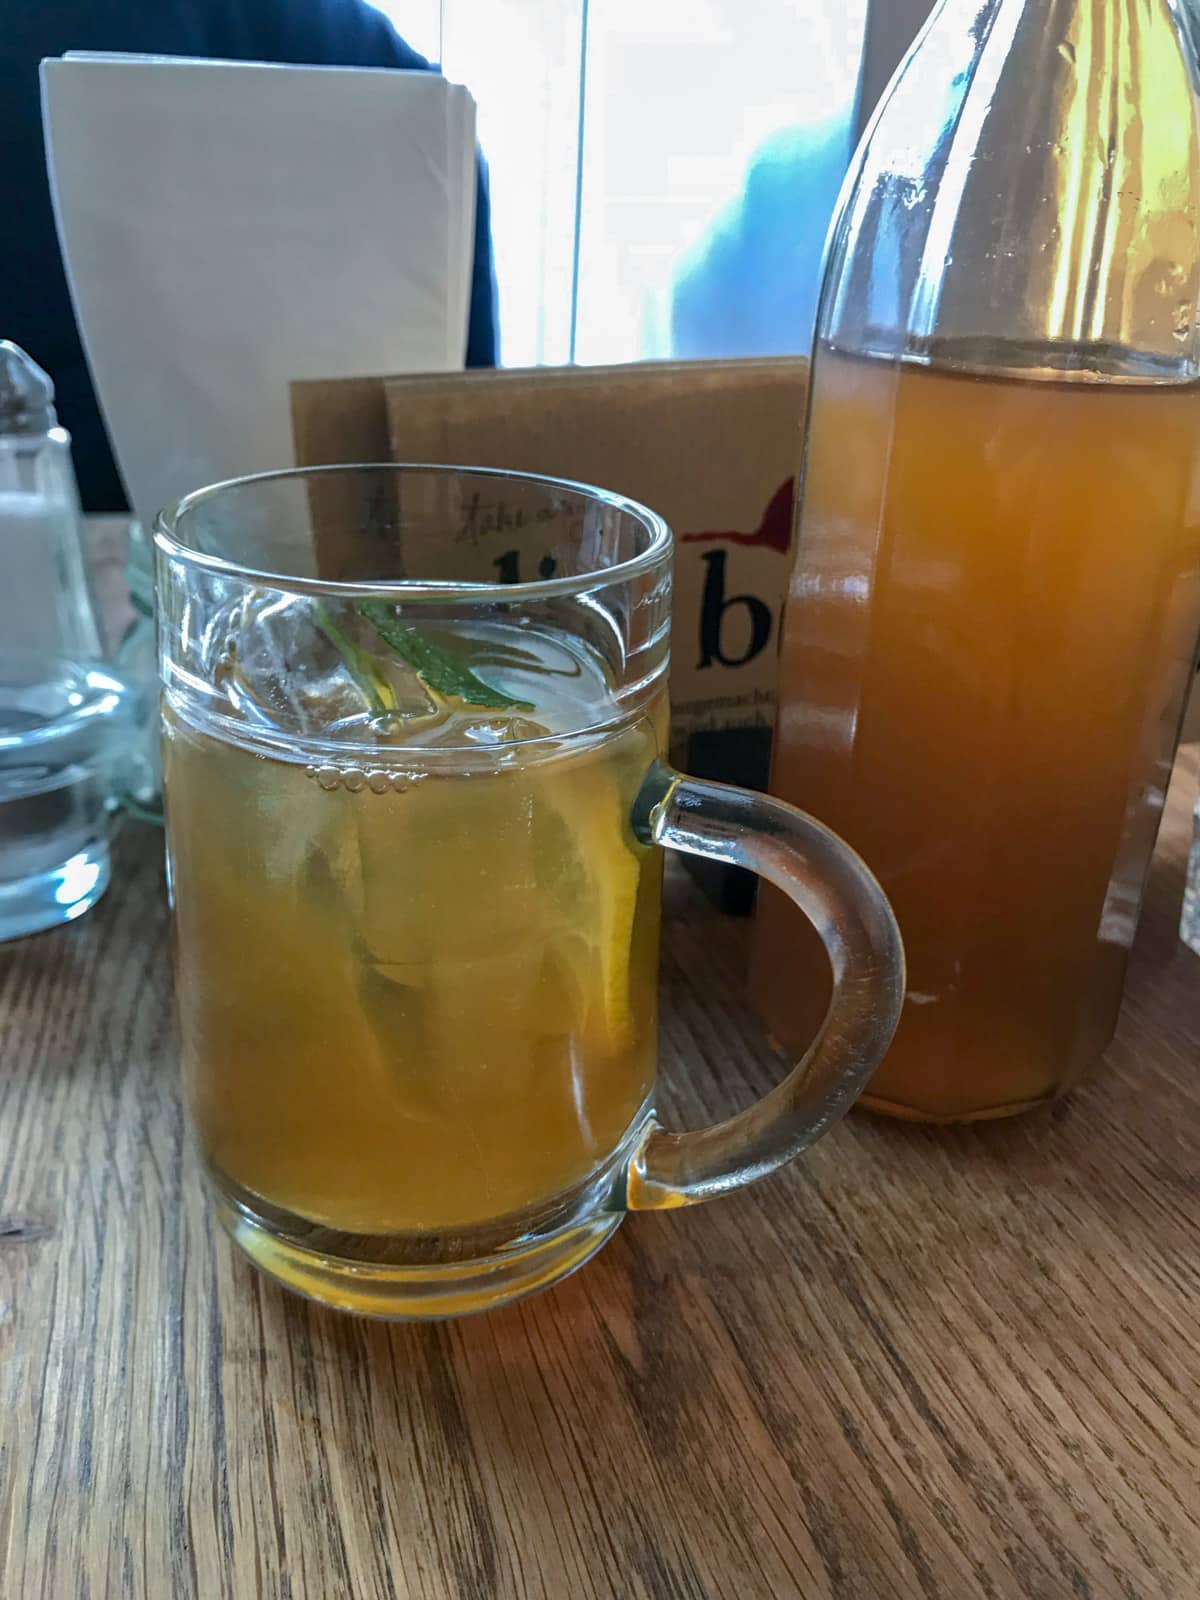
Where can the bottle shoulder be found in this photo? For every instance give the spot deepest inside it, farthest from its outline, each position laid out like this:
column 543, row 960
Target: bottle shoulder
column 1033, row 177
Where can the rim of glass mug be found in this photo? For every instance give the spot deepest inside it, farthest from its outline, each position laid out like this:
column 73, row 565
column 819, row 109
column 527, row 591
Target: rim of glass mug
column 658, row 549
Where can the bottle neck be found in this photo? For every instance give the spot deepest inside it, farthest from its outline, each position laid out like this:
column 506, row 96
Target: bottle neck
column 1032, row 181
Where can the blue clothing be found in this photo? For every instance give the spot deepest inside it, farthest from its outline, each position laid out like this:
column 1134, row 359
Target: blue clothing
column 749, row 286
column 35, row 304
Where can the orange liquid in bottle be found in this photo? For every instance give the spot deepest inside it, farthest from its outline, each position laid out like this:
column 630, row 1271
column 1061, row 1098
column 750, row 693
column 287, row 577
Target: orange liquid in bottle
column 987, row 645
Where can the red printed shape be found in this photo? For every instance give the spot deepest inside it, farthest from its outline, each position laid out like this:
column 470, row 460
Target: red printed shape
column 774, row 532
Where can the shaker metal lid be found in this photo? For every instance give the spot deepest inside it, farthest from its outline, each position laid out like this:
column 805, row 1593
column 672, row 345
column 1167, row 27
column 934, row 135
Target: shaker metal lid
column 26, row 393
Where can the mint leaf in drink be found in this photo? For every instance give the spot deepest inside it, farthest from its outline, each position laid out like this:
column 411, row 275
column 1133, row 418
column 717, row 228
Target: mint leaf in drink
column 443, row 671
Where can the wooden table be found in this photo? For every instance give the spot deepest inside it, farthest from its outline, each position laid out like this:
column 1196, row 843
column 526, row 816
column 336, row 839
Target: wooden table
column 958, row 1363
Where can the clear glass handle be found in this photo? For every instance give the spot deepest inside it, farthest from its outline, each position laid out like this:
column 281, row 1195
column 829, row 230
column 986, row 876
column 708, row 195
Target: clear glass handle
column 849, row 911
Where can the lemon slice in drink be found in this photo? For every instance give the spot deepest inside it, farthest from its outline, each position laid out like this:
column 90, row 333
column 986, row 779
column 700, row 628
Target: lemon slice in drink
column 590, row 870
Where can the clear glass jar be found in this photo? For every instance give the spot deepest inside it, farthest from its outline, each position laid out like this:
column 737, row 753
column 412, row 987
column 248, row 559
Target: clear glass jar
column 139, row 774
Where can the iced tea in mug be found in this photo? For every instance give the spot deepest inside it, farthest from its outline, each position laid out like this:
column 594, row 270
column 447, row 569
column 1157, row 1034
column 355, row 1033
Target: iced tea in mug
column 414, row 820
column 474, row 939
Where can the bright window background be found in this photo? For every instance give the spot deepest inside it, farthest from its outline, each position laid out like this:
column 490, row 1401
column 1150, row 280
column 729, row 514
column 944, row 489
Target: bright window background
column 619, row 135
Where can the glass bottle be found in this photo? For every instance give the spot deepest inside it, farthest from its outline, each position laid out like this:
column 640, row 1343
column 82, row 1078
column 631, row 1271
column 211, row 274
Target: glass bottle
column 994, row 611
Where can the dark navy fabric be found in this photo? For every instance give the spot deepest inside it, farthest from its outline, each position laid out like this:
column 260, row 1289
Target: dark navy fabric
column 35, row 306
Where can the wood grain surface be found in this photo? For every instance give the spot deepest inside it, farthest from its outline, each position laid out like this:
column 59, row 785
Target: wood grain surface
column 922, row 1363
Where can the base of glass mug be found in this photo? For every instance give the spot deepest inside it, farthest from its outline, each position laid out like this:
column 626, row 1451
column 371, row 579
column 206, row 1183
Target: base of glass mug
column 343, row 1275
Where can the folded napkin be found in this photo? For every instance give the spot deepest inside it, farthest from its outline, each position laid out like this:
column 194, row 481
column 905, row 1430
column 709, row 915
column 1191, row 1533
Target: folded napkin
column 228, row 227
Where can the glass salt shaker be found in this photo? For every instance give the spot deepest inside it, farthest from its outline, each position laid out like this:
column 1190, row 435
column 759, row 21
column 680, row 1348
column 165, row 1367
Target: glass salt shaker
column 61, row 709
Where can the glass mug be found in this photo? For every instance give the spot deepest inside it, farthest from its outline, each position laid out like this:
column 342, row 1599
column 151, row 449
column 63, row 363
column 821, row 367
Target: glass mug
column 413, row 819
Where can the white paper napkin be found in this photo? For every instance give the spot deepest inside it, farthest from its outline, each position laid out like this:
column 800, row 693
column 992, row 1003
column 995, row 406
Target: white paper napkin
column 228, row 227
